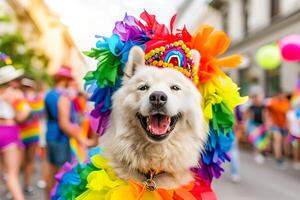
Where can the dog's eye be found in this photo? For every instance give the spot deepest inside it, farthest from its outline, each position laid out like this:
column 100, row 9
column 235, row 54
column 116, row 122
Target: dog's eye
column 143, row 87
column 175, row 87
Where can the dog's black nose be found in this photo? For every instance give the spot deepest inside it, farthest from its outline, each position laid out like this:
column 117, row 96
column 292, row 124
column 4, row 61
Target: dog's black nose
column 158, row 98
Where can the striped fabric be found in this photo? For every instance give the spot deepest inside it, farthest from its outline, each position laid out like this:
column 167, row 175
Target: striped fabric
column 31, row 128
column 30, row 132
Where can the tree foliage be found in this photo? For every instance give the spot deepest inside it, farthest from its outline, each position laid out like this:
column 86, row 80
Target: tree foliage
column 23, row 56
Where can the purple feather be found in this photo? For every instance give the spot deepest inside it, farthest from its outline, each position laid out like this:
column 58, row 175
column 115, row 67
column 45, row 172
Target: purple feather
column 67, row 167
column 129, row 30
column 99, row 121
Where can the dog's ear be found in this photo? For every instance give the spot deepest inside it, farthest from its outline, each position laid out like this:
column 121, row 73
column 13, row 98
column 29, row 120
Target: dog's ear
column 196, row 57
column 136, row 59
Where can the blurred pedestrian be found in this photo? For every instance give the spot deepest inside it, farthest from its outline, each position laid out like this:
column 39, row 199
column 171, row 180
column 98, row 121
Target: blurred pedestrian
column 42, row 151
column 31, row 129
column 294, row 129
column 10, row 141
column 79, row 103
column 293, row 117
column 257, row 131
column 61, row 124
column 234, row 151
column 277, row 108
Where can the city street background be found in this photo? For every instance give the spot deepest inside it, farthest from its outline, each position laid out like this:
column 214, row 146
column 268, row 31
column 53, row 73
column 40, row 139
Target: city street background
column 41, row 37
column 259, row 182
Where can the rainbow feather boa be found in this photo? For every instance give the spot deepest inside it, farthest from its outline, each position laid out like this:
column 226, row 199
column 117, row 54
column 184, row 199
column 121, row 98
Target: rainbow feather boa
column 97, row 180
column 220, row 94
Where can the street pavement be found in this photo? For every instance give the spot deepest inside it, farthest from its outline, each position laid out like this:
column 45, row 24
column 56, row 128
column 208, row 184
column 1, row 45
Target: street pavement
column 259, row 182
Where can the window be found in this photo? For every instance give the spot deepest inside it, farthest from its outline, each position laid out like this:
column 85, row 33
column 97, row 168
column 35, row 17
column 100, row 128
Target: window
column 274, row 8
column 245, row 16
column 272, row 81
column 244, row 81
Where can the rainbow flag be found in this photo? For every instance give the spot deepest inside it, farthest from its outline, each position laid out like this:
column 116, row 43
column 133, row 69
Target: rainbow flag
column 260, row 138
column 30, row 132
column 31, row 128
column 37, row 107
column 295, row 100
column 79, row 152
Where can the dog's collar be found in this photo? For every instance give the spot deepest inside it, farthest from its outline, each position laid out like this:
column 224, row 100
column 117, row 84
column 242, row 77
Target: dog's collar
column 150, row 175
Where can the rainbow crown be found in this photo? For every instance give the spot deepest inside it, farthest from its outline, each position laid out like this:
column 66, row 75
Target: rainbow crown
column 174, row 55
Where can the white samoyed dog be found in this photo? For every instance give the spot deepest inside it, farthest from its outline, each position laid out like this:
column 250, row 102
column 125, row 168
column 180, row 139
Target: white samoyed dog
column 156, row 124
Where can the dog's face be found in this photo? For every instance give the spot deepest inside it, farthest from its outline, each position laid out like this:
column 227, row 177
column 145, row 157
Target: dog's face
column 159, row 102
column 156, row 123
column 161, row 98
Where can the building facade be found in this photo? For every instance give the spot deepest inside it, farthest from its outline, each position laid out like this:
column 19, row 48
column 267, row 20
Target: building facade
column 44, row 31
column 252, row 24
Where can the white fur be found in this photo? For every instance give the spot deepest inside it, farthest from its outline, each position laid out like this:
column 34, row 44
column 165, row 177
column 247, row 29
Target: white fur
column 126, row 144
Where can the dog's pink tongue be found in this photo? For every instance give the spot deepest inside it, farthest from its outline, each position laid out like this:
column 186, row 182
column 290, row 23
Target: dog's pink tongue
column 159, row 124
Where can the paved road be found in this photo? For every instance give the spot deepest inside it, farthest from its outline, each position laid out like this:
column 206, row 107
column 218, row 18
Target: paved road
column 259, row 182
column 39, row 194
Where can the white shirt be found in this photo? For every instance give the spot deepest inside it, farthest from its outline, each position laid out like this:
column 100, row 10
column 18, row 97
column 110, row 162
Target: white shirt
column 6, row 110
column 294, row 125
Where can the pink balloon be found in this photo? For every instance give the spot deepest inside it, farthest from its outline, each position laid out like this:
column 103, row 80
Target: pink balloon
column 290, row 48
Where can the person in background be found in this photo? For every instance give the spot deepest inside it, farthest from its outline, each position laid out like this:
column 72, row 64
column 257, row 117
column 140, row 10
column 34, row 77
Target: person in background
column 31, row 130
column 61, row 124
column 10, row 142
column 79, row 103
column 258, row 135
column 293, row 117
column 42, row 150
column 277, row 108
column 234, row 151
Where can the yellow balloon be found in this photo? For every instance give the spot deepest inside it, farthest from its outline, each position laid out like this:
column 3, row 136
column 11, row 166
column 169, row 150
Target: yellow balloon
column 268, row 57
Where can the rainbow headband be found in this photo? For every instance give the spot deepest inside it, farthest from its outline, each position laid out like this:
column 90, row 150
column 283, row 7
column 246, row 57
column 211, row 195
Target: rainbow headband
column 175, row 55
column 165, row 47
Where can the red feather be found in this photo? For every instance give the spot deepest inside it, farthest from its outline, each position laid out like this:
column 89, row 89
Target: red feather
column 149, row 19
column 172, row 24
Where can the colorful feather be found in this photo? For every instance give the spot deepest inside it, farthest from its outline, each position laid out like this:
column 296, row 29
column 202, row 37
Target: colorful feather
column 97, row 180
column 78, row 151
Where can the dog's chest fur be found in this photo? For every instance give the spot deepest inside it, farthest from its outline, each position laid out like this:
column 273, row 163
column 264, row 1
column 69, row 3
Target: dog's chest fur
column 131, row 156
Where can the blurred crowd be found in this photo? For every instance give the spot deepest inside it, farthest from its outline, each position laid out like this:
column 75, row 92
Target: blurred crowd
column 271, row 126
column 35, row 120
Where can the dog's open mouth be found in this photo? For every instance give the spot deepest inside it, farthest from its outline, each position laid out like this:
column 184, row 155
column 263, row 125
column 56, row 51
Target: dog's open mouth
column 158, row 126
